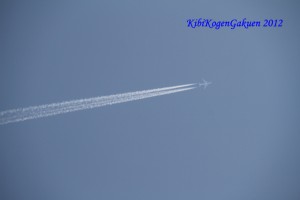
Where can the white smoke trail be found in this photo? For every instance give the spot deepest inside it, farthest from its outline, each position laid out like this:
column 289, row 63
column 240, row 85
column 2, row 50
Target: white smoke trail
column 33, row 112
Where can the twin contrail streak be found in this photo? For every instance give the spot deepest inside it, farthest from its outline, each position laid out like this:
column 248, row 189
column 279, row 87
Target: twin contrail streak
column 34, row 112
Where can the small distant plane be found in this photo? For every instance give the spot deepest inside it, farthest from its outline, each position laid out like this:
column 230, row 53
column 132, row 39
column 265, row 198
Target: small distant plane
column 204, row 84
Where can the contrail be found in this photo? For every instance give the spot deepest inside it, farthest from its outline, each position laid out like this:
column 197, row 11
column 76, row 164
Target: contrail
column 34, row 112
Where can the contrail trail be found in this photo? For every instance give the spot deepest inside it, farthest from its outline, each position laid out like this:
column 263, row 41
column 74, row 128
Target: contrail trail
column 34, row 112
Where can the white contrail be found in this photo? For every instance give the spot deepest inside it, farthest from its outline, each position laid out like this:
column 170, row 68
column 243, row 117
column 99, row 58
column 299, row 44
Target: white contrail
column 33, row 112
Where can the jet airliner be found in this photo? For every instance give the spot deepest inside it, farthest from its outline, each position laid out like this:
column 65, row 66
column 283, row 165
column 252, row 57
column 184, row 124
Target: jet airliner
column 204, row 84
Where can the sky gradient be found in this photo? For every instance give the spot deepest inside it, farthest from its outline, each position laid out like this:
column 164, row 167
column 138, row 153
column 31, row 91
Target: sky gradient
column 238, row 139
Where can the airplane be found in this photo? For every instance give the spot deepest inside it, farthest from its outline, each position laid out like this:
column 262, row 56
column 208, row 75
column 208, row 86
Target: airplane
column 204, row 84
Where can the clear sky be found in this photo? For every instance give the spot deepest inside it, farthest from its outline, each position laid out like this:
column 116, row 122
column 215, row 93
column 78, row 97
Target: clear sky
column 238, row 139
